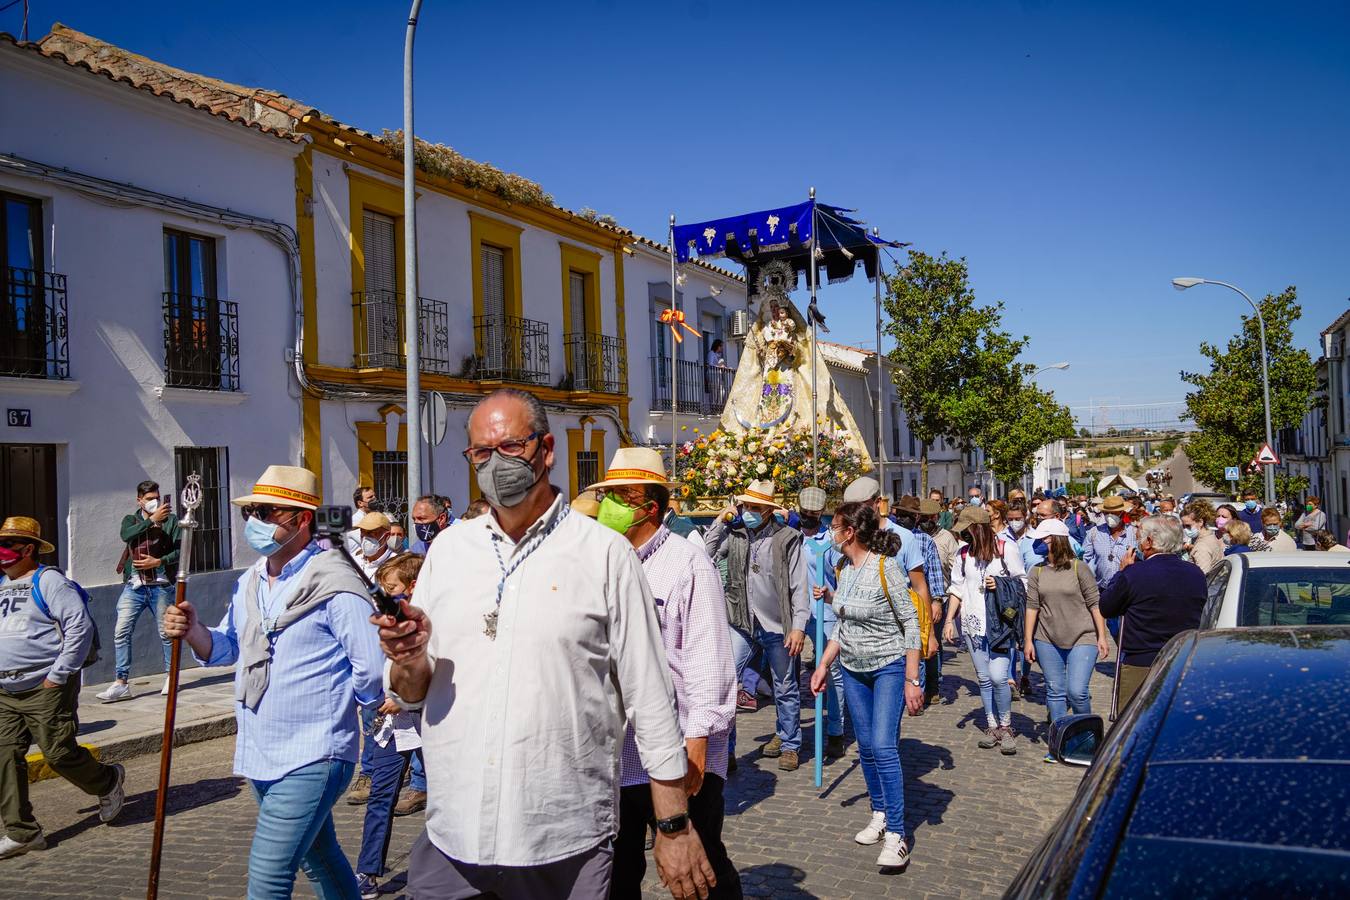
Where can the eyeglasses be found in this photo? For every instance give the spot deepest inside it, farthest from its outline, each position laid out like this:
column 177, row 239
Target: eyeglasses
column 514, row 447
column 264, row 511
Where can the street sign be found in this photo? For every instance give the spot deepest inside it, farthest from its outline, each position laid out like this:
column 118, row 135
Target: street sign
column 1232, row 473
column 1267, row 456
column 435, row 415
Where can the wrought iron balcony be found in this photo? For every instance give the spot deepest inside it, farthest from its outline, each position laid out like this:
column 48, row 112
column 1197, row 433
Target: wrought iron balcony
column 201, row 342
column 380, row 336
column 34, row 338
column 596, row 362
column 703, row 389
column 508, row 348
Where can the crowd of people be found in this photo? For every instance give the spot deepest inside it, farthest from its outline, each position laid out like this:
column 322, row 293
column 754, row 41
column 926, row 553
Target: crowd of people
column 559, row 688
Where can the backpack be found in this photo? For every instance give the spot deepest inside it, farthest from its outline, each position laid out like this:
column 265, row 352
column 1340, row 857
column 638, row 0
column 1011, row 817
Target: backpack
column 927, row 646
column 95, row 645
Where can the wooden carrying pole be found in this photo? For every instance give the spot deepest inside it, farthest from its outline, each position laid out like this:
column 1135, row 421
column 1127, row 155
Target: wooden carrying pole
column 191, row 498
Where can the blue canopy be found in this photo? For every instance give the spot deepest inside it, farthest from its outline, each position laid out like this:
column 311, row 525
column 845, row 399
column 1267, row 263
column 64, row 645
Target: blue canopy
column 753, row 239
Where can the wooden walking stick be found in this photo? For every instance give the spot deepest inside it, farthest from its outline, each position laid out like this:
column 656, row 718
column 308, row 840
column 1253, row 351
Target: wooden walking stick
column 191, row 498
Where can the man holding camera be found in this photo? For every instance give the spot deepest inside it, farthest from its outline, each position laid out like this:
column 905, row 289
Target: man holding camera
column 298, row 627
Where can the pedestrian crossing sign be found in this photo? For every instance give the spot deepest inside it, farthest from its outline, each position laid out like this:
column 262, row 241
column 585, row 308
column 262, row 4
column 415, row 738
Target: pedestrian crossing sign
column 1232, row 473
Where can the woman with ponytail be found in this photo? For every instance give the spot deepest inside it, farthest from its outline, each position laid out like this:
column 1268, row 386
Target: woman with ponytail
column 877, row 644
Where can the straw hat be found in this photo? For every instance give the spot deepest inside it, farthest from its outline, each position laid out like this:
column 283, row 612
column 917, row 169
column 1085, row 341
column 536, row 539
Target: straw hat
column 1114, row 504
column 26, row 529
column 759, row 492
column 971, row 515
column 634, row 465
column 586, row 504
column 285, row 486
column 811, row 499
column 374, row 521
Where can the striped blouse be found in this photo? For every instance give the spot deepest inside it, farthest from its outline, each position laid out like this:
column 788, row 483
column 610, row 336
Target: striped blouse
column 867, row 633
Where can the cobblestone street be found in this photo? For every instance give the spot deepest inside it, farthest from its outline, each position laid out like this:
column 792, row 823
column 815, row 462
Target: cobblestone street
column 972, row 816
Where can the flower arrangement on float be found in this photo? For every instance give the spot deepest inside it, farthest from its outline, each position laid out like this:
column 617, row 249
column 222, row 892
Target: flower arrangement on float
column 722, row 464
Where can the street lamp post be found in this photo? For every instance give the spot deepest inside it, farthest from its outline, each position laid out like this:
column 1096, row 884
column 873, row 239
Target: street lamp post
column 1182, row 284
column 1061, row 366
column 411, row 313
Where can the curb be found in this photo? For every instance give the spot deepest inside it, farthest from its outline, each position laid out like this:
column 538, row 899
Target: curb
column 141, row 744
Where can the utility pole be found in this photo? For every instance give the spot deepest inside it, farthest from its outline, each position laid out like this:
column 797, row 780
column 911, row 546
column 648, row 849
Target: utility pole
column 411, row 312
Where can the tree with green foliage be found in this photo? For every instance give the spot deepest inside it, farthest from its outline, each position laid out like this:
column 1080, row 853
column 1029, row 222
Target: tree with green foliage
column 1226, row 404
column 957, row 370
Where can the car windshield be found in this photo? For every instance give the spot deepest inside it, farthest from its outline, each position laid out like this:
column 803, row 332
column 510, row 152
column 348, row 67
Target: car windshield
column 1296, row 596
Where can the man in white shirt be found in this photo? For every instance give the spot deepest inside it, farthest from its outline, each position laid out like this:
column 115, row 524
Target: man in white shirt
column 363, row 499
column 373, row 550
column 534, row 639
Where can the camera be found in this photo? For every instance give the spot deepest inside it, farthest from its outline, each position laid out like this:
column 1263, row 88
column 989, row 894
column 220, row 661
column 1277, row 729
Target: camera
column 333, row 521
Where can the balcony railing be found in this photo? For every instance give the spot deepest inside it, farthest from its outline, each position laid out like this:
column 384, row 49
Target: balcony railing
column 508, row 348
column 201, row 342
column 596, row 362
column 703, row 390
column 34, row 337
column 380, row 336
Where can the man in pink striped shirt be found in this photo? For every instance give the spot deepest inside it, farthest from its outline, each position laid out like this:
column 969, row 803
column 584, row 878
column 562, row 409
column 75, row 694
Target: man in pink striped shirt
column 690, row 606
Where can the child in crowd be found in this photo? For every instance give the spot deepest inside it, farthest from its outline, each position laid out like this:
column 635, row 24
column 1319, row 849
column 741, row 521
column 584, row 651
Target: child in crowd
column 394, row 736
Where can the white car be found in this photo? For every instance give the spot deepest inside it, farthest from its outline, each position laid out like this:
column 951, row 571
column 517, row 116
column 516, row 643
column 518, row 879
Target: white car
column 1262, row 588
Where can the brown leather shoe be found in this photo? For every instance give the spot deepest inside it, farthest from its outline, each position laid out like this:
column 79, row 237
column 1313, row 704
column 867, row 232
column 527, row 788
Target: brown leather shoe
column 410, row 802
column 360, row 791
column 773, row 747
column 787, row 761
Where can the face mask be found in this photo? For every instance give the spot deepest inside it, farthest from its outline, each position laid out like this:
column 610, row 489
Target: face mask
column 1221, row 522
column 975, row 501
column 1039, row 548
column 261, row 536
column 616, row 514
column 1308, row 507
column 836, row 544
column 1191, row 533
column 371, row 546
column 752, row 520
column 810, row 524
column 1250, row 504
column 505, row 480
column 1017, row 525
column 1113, row 520
column 779, row 518
column 150, row 506
column 928, row 526
column 1271, row 530
column 395, row 543
column 9, row 556
column 426, row 531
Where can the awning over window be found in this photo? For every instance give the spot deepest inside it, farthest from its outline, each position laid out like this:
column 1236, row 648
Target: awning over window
column 753, row 239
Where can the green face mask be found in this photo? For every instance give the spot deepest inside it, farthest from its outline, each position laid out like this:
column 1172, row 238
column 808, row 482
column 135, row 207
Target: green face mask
column 1308, row 507
column 616, row 514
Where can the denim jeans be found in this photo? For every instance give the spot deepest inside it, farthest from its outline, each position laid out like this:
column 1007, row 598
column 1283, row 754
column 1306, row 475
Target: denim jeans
column 134, row 601
column 834, row 688
column 418, row 780
column 387, row 765
column 993, row 674
column 876, row 701
column 787, row 697
column 1067, row 672
column 295, row 830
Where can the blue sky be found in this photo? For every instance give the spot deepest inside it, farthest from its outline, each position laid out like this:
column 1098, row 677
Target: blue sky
column 1078, row 154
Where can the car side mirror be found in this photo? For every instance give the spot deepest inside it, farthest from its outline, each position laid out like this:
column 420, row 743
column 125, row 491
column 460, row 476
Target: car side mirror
column 1074, row 739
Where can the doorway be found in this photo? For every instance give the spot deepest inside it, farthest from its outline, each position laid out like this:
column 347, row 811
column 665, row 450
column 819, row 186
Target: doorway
column 28, row 488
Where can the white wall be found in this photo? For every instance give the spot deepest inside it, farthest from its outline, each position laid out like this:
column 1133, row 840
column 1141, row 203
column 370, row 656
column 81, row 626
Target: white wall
column 112, row 427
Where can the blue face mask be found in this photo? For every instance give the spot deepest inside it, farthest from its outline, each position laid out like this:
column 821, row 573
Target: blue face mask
column 261, row 536
column 1250, row 504
column 1038, row 547
column 752, row 520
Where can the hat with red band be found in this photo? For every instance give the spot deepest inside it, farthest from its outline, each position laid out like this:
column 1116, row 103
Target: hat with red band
column 284, row 486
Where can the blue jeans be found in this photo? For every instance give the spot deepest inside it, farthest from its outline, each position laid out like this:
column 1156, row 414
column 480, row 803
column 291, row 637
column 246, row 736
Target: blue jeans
column 876, row 700
column 418, row 780
column 134, row 601
column 295, row 830
column 787, row 697
column 1066, row 672
column 993, row 674
column 834, row 688
column 387, row 765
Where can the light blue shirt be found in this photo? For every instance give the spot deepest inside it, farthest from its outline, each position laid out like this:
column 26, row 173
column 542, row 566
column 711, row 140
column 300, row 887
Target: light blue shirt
column 323, row 665
column 911, row 554
column 1102, row 553
column 818, row 545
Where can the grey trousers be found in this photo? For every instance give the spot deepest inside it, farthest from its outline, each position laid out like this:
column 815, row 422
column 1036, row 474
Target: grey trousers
column 434, row 876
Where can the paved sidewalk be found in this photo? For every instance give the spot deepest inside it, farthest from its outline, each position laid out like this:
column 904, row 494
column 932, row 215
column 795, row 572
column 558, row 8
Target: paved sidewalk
column 128, row 728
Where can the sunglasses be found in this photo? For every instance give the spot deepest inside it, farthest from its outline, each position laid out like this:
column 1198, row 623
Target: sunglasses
column 264, row 511
column 11, row 543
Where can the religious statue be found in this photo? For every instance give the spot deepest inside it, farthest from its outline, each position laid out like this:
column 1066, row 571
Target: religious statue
column 772, row 390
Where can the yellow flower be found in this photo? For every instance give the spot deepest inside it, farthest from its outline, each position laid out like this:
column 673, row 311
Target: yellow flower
column 684, row 427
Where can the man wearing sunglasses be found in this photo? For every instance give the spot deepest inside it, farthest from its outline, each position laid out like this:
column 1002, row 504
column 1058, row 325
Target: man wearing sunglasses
column 534, row 631
column 298, row 627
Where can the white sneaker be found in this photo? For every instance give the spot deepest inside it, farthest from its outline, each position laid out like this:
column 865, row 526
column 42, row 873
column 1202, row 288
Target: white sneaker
column 118, row 690
column 894, row 853
column 164, row 691
column 10, row 847
column 110, row 804
column 874, row 830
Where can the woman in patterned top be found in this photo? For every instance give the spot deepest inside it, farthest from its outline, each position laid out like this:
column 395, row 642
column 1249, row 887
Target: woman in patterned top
column 877, row 644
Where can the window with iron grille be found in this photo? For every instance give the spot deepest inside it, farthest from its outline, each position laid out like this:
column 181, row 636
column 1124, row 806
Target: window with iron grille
column 389, row 473
column 588, row 468
column 211, row 538
column 33, row 339
column 201, row 331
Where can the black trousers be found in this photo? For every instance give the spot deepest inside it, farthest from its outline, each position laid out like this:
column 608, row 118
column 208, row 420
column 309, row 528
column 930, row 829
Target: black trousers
column 706, row 813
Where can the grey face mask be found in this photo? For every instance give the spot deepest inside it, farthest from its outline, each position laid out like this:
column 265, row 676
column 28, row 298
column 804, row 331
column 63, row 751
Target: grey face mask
column 505, row 480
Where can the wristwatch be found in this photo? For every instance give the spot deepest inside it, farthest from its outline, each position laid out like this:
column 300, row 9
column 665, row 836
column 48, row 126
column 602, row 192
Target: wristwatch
column 914, row 681
column 673, row 825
